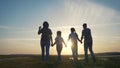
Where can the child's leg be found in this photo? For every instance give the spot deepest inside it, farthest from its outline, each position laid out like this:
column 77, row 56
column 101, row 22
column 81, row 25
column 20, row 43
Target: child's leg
column 74, row 52
column 59, row 49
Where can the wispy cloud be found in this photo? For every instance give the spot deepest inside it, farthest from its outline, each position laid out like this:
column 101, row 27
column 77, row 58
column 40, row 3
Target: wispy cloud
column 4, row 27
column 17, row 29
column 86, row 11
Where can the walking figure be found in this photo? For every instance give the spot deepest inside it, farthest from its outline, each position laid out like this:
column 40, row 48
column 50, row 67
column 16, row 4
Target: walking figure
column 86, row 34
column 73, row 37
column 59, row 44
column 46, row 37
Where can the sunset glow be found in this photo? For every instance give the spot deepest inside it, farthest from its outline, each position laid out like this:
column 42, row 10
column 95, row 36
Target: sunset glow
column 20, row 20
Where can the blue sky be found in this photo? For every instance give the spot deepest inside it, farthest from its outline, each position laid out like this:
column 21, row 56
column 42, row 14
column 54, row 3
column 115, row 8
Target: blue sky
column 20, row 19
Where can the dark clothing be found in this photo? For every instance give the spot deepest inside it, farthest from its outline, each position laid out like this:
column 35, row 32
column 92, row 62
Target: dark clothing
column 46, row 32
column 86, row 33
column 45, row 41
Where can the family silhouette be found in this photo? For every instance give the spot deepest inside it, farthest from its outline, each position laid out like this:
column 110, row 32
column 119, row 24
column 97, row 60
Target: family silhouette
column 47, row 41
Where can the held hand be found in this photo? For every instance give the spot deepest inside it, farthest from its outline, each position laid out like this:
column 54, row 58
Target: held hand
column 52, row 45
column 65, row 45
column 80, row 41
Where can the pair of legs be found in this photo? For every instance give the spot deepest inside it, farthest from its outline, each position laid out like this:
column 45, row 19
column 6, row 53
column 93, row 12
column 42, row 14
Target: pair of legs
column 75, row 52
column 88, row 45
column 45, row 46
column 59, row 49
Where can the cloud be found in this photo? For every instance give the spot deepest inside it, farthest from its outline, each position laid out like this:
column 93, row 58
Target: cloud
column 4, row 27
column 86, row 11
column 17, row 29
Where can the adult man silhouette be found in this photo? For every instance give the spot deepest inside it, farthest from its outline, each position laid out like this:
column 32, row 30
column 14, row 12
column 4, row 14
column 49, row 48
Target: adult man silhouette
column 86, row 34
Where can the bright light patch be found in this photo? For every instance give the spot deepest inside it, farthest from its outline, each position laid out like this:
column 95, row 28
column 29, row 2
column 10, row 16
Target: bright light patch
column 69, row 44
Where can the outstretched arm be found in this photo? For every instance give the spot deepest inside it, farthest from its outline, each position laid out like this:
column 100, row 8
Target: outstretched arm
column 64, row 43
column 82, row 36
column 79, row 40
column 54, row 43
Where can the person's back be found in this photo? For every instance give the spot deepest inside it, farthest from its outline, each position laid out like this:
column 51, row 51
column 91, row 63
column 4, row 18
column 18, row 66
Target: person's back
column 59, row 40
column 73, row 37
column 46, row 32
column 45, row 39
column 87, row 34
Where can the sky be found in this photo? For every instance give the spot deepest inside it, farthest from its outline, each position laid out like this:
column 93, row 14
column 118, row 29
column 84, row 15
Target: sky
column 20, row 19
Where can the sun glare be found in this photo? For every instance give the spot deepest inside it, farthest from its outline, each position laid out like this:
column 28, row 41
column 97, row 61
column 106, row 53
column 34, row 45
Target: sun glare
column 69, row 44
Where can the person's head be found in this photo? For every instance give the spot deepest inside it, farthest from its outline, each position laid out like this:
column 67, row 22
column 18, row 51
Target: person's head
column 84, row 25
column 58, row 33
column 45, row 24
column 72, row 30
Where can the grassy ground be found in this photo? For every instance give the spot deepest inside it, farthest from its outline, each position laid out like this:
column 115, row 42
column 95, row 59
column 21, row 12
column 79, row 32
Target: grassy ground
column 34, row 61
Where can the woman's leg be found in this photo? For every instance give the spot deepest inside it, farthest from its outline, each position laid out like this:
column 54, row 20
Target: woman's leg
column 42, row 51
column 47, row 50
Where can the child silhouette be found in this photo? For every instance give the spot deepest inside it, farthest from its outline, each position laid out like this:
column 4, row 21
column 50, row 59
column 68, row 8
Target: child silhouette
column 73, row 37
column 59, row 44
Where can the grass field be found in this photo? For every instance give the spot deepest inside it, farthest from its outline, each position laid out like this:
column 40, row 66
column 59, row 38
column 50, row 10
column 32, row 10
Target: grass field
column 34, row 61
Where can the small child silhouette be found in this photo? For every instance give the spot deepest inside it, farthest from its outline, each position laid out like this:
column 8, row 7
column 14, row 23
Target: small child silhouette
column 59, row 44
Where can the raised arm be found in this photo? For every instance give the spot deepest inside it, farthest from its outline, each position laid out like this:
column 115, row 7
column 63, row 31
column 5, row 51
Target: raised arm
column 39, row 31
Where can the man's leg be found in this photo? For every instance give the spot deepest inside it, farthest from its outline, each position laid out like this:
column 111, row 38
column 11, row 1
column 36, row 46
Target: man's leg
column 91, row 52
column 58, row 51
column 86, row 51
